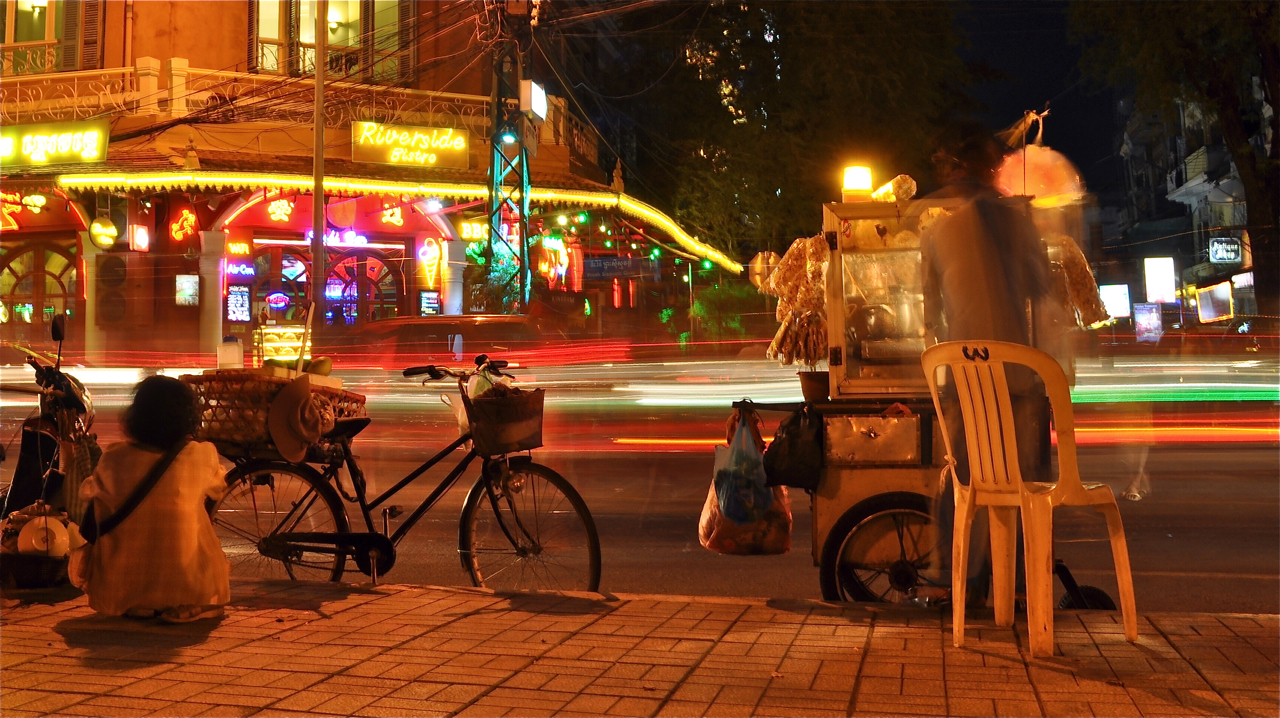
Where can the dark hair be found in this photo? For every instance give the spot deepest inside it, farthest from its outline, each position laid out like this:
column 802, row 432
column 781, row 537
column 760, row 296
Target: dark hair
column 162, row 414
column 968, row 147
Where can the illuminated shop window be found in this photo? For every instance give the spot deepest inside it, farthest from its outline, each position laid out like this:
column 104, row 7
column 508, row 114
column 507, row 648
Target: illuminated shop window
column 286, row 37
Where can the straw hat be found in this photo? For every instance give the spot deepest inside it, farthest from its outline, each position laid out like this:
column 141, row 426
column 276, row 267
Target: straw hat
column 297, row 419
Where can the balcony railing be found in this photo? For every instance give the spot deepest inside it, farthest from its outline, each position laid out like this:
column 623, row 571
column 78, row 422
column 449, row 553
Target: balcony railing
column 384, row 65
column 30, row 58
column 175, row 89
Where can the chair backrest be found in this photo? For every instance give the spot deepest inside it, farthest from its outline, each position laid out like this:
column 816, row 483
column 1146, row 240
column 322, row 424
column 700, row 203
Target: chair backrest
column 982, row 391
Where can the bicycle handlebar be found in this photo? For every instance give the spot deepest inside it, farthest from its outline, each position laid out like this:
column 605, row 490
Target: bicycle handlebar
column 483, row 363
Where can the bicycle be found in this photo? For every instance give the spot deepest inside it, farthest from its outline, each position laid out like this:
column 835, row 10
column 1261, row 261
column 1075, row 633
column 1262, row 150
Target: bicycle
column 282, row 519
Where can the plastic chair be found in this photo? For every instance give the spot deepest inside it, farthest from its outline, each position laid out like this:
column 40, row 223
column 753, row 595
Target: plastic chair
column 978, row 371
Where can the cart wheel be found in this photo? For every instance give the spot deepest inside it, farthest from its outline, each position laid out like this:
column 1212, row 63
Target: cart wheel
column 880, row 550
column 1098, row 599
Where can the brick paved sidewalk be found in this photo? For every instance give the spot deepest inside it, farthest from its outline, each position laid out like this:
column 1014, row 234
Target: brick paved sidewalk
column 309, row 649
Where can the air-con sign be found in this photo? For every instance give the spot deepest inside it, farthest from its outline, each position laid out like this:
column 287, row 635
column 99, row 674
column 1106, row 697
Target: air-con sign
column 403, row 145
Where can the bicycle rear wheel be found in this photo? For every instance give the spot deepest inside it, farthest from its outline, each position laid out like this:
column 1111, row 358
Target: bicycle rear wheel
column 541, row 536
column 273, row 497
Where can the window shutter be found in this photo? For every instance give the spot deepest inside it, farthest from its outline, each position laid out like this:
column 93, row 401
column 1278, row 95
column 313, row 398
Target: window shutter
column 407, row 69
column 70, row 35
column 366, row 40
column 293, row 16
column 91, row 30
column 251, row 58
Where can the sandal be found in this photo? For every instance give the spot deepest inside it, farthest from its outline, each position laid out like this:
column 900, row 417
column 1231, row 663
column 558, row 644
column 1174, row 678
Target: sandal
column 189, row 613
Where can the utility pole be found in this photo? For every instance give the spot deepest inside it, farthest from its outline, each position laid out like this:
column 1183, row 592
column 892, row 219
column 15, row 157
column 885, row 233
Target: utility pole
column 509, row 159
column 319, row 260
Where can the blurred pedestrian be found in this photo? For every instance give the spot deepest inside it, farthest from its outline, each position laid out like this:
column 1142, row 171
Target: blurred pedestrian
column 983, row 269
column 164, row 557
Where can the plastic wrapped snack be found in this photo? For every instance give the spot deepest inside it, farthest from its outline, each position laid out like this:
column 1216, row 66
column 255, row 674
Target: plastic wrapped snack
column 1081, row 287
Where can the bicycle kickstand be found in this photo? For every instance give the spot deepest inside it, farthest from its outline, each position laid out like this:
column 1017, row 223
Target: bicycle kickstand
column 373, row 565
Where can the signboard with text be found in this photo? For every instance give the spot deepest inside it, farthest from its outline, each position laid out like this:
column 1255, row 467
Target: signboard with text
column 597, row 268
column 1224, row 250
column 54, row 143
column 404, row 145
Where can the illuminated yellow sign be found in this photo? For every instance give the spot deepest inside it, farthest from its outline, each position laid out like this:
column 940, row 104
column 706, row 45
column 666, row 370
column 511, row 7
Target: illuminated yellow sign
column 240, row 249
column 391, row 215
column 103, row 233
column 474, row 231
column 280, row 210
column 10, row 204
column 402, row 145
column 429, row 254
column 54, row 143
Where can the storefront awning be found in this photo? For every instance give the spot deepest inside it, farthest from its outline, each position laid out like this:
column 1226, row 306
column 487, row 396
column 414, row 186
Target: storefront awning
column 214, row 180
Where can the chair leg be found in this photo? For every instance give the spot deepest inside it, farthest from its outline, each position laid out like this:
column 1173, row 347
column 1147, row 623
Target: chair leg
column 960, row 567
column 1124, row 578
column 1004, row 548
column 1037, row 527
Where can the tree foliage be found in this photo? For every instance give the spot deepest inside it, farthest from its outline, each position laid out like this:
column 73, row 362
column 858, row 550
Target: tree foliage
column 1206, row 53
column 771, row 100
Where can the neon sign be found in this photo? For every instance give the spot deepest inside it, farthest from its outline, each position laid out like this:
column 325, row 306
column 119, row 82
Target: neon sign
column 34, row 202
column 240, row 269
column 278, row 301
column 400, row 145
column 346, row 237
column 184, row 227
column 429, row 254
column 103, row 233
column 279, row 210
column 474, row 231
column 11, row 204
column 392, row 215
column 240, row 249
column 54, row 143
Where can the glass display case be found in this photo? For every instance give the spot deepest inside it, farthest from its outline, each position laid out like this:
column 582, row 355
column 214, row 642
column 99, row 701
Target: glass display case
column 875, row 298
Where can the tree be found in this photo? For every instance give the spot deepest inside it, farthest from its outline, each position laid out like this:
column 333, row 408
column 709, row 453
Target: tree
column 1207, row 53
column 745, row 114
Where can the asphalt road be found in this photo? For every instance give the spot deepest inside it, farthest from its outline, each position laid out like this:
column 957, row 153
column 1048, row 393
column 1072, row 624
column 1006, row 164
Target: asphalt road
column 1207, row 538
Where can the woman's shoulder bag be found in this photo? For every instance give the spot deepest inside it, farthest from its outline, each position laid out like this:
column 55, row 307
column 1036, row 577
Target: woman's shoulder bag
column 91, row 529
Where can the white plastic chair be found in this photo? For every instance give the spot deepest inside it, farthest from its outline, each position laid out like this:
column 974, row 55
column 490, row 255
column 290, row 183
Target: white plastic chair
column 978, row 372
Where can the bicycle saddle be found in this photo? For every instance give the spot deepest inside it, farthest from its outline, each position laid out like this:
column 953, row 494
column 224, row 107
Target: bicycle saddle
column 347, row 428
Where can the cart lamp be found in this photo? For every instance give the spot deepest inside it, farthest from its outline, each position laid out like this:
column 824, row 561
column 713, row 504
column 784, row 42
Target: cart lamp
column 857, row 183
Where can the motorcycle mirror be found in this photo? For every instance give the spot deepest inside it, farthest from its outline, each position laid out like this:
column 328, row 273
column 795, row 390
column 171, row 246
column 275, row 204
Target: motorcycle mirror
column 59, row 327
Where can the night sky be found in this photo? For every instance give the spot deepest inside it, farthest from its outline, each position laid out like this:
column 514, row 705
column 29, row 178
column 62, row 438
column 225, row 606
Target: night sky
column 1025, row 47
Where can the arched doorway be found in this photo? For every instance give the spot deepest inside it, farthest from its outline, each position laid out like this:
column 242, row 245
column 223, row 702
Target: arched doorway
column 38, row 281
column 285, row 271
column 363, row 286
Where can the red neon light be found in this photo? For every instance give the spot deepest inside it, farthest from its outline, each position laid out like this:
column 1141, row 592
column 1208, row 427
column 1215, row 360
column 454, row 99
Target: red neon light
column 184, row 227
column 617, row 294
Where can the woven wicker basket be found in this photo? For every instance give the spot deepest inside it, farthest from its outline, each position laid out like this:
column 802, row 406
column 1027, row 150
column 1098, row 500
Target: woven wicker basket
column 234, row 405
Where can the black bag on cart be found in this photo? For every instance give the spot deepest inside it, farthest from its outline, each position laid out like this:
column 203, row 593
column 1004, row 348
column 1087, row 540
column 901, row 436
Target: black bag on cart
column 794, row 458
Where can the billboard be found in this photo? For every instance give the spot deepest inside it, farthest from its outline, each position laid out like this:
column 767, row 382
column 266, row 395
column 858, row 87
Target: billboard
column 1115, row 297
column 1162, row 281
column 1213, row 304
column 1148, row 322
column 54, row 143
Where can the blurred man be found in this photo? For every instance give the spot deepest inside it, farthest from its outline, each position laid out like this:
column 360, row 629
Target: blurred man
column 983, row 269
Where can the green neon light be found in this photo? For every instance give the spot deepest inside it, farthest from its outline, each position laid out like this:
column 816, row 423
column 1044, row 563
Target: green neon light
column 1174, row 392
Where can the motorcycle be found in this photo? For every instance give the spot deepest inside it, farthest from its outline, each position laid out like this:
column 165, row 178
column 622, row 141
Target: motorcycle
column 55, row 443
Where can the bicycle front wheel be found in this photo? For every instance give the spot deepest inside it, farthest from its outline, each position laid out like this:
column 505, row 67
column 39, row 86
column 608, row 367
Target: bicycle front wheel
column 267, row 498
column 533, row 532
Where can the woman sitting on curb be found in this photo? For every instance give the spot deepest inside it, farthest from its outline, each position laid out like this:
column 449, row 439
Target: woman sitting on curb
column 164, row 558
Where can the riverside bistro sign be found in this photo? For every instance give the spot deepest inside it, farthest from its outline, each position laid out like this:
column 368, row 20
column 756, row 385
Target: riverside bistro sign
column 403, row 145
column 54, row 143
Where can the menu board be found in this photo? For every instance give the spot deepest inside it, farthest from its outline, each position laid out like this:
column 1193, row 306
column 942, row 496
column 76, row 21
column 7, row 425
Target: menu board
column 238, row 303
